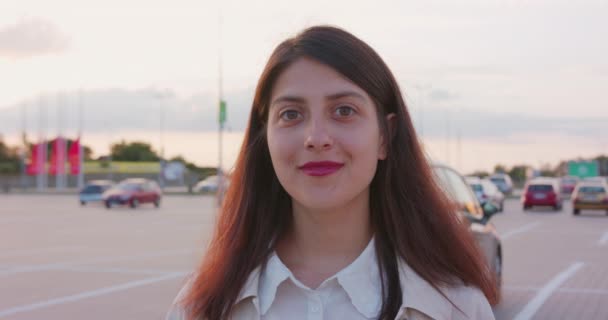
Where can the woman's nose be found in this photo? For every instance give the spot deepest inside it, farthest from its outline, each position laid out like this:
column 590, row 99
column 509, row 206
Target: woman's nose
column 317, row 136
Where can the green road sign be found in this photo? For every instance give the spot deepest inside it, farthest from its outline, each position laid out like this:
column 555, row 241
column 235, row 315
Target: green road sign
column 583, row 169
column 222, row 111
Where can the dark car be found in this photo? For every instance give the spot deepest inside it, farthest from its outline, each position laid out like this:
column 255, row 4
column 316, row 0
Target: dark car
column 542, row 192
column 133, row 192
column 93, row 191
column 477, row 216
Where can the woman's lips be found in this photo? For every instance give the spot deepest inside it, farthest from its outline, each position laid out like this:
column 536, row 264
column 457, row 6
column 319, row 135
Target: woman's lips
column 321, row 168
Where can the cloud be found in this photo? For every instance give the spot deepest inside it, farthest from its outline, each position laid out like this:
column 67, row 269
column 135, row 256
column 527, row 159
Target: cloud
column 502, row 127
column 441, row 95
column 117, row 109
column 31, row 37
column 114, row 110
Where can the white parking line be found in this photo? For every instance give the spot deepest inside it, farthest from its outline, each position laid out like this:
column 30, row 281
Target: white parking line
column 537, row 302
column 37, row 251
column 86, row 294
column 519, row 230
column 60, row 265
column 583, row 291
column 77, row 268
column 560, row 290
column 603, row 239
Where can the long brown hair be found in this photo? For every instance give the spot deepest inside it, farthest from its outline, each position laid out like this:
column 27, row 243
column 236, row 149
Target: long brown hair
column 411, row 216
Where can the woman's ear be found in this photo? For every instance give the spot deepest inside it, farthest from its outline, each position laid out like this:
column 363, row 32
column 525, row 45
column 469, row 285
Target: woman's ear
column 391, row 120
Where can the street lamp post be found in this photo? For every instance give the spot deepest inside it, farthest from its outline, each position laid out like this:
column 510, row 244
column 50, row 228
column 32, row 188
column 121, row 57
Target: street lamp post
column 222, row 115
column 161, row 180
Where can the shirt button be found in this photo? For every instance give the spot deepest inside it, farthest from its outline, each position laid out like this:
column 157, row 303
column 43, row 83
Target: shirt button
column 314, row 308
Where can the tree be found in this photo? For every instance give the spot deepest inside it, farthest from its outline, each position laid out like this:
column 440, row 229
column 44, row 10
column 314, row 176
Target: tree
column 518, row 173
column 602, row 162
column 547, row 171
column 201, row 171
column 499, row 168
column 87, row 152
column 133, row 151
column 479, row 173
column 9, row 158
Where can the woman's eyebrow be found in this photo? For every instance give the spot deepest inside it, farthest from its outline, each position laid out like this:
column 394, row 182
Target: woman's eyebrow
column 288, row 98
column 334, row 96
column 344, row 94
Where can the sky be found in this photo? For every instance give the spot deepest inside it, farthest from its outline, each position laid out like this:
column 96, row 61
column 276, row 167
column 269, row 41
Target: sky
column 486, row 82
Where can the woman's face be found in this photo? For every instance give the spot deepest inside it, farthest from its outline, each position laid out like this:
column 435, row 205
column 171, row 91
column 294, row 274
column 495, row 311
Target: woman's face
column 323, row 136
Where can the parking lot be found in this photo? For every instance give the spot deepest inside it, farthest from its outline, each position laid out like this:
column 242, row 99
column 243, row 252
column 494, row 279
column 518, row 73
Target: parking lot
column 59, row 260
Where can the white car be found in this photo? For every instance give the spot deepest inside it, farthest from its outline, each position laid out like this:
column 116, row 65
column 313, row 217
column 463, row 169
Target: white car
column 486, row 191
column 210, row 184
column 503, row 182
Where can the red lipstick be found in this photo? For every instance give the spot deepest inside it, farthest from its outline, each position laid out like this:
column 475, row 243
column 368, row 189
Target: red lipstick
column 321, row 168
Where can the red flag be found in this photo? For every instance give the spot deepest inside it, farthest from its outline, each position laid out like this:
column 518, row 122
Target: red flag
column 74, row 157
column 57, row 156
column 34, row 166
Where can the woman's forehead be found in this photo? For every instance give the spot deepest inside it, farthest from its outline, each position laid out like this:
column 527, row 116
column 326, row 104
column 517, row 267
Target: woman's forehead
column 307, row 78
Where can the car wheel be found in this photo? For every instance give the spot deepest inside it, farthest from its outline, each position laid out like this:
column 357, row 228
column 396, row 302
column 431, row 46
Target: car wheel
column 157, row 202
column 502, row 206
column 134, row 203
column 83, row 203
column 108, row 205
column 526, row 208
column 576, row 212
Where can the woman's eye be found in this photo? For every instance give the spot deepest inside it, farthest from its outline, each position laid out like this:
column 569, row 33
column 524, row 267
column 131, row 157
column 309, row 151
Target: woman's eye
column 290, row 115
column 344, row 111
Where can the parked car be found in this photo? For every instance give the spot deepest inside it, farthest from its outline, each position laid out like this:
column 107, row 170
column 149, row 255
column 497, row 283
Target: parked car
column 599, row 179
column 210, row 184
column 568, row 183
column 486, row 191
column 133, row 192
column 478, row 216
column 93, row 191
column 590, row 196
column 503, row 182
column 542, row 192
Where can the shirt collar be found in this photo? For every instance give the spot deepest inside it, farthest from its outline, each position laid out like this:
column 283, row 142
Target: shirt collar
column 360, row 280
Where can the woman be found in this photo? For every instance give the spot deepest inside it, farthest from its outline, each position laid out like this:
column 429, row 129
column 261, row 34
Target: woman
column 333, row 212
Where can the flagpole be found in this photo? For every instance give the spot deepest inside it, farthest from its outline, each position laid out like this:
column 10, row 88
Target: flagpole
column 24, row 141
column 57, row 153
column 80, row 150
column 222, row 114
column 41, row 147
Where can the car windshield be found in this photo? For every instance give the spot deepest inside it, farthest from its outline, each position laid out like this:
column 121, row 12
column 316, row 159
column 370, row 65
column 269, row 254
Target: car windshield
column 128, row 186
column 476, row 187
column 498, row 180
column 540, row 187
column 592, row 189
column 92, row 189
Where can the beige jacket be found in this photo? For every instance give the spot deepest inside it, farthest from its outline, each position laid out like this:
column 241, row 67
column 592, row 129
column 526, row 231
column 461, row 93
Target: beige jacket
column 420, row 300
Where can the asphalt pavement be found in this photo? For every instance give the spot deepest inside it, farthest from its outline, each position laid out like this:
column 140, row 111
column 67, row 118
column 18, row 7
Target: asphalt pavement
column 59, row 260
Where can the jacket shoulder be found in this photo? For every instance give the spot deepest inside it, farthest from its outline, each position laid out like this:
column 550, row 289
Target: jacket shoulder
column 471, row 303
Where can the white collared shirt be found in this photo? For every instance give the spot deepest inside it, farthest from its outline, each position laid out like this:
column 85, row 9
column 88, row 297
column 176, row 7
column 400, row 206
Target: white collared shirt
column 353, row 293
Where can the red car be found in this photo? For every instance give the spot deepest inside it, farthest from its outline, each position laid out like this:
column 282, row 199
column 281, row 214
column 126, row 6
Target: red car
column 568, row 184
column 133, row 192
column 542, row 192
